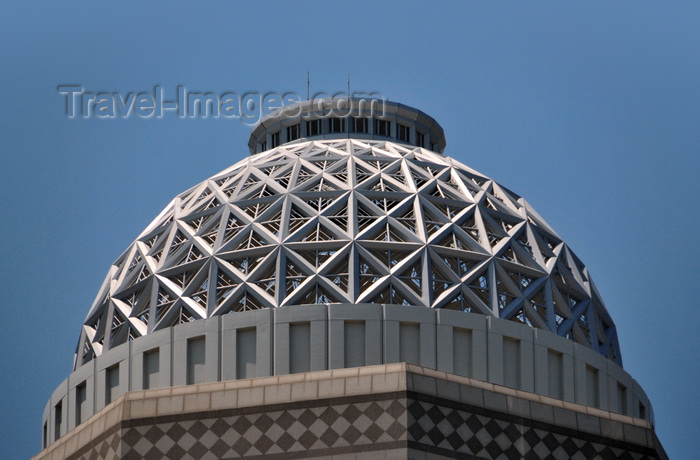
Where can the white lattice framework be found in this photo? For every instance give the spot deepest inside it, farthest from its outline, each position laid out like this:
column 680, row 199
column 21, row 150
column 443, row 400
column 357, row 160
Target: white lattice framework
column 347, row 221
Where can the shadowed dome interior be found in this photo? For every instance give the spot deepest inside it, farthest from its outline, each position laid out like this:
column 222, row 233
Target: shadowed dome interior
column 347, row 221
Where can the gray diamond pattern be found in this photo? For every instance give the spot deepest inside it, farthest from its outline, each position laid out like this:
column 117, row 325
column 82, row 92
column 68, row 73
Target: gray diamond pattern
column 484, row 436
column 276, row 432
column 339, row 428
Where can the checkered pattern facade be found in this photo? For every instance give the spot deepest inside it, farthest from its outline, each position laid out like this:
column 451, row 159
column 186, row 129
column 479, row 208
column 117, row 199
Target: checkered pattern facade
column 107, row 446
column 477, row 433
column 399, row 422
column 286, row 433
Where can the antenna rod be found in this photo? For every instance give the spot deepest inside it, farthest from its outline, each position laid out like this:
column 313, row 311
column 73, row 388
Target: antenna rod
column 308, row 85
column 349, row 106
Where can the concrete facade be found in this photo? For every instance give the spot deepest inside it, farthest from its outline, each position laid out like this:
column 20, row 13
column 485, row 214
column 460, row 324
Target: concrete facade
column 394, row 411
column 483, row 348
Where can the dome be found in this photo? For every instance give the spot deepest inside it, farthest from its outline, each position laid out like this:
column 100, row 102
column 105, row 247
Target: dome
column 347, row 221
column 345, row 261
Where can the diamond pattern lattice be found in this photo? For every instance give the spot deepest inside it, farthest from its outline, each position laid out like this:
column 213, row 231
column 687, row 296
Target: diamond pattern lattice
column 293, row 433
column 345, row 221
column 450, row 430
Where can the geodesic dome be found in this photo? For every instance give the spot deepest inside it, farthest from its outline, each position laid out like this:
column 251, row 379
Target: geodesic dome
column 347, row 221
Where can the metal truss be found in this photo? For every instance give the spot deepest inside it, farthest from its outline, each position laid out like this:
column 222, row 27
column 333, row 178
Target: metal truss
column 347, row 221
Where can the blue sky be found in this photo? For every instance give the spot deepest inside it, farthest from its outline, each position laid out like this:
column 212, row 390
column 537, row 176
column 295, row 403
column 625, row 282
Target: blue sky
column 589, row 110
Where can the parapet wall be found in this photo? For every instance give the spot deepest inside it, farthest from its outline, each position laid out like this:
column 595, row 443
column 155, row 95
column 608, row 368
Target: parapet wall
column 290, row 340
